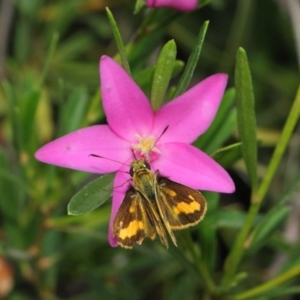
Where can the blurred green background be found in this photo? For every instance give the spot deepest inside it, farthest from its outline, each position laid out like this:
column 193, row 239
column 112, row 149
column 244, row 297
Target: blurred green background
column 49, row 54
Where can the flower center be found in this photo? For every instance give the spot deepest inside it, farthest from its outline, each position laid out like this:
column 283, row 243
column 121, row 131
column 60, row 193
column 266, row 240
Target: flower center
column 145, row 146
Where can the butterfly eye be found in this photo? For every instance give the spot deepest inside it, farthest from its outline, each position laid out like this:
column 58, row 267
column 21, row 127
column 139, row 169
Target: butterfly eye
column 131, row 171
column 148, row 166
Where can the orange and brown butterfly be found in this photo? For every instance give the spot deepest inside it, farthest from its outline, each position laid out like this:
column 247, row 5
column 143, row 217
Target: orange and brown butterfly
column 155, row 205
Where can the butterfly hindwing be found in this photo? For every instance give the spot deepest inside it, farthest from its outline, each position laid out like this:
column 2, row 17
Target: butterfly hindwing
column 136, row 219
column 131, row 224
column 181, row 206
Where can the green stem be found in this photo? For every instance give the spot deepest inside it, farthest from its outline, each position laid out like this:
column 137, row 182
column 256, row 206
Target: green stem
column 273, row 283
column 235, row 256
column 281, row 146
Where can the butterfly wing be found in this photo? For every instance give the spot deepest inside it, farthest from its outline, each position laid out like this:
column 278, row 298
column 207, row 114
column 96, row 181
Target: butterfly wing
column 137, row 219
column 179, row 205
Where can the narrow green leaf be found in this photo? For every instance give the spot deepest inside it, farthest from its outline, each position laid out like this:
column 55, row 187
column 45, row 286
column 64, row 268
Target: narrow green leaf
column 294, row 186
column 118, row 40
column 203, row 3
column 224, row 132
column 95, row 111
column 14, row 116
column 11, row 187
column 246, row 114
column 278, row 293
column 237, row 249
column 139, row 4
column 178, row 67
column 50, row 54
column 92, row 195
column 28, row 107
column 145, row 47
column 192, row 62
column 273, row 217
column 228, row 155
column 284, row 139
column 162, row 74
column 76, row 107
column 71, row 48
column 207, row 233
column 229, row 219
column 269, row 285
column 222, row 126
column 11, row 179
column 267, row 226
column 144, row 77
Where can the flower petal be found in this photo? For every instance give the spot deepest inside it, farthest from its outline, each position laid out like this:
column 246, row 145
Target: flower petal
column 127, row 109
column 190, row 114
column 120, row 188
column 73, row 150
column 184, row 5
column 190, row 166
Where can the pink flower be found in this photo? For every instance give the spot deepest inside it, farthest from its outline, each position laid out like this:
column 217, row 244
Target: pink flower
column 184, row 5
column 132, row 125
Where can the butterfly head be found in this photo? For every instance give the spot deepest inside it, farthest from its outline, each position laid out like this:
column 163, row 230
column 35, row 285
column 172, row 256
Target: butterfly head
column 139, row 165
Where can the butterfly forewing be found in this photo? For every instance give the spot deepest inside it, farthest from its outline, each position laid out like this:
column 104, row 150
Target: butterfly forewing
column 180, row 205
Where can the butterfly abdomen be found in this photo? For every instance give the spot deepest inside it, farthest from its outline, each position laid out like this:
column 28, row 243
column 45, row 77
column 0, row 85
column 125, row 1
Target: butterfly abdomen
column 144, row 182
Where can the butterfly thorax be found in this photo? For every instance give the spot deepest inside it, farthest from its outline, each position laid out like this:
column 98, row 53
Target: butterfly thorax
column 143, row 179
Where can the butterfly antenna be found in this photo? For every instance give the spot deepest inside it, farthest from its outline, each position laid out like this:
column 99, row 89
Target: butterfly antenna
column 147, row 158
column 163, row 132
column 99, row 156
column 133, row 153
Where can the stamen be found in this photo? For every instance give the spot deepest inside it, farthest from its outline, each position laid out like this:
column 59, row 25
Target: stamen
column 145, row 145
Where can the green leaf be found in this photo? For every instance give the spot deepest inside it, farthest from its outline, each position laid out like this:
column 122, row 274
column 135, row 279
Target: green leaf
column 139, row 4
column 50, row 55
column 162, row 74
column 222, row 126
column 192, row 62
column 246, row 114
column 144, row 77
column 284, row 139
column 229, row 219
column 267, row 226
column 28, row 105
column 207, row 233
column 273, row 218
column 203, row 3
column 92, row 195
column 71, row 48
column 294, row 186
column 119, row 41
column 14, row 116
column 95, row 111
column 227, row 156
column 270, row 284
column 278, row 293
column 140, row 51
column 224, row 132
column 12, row 188
column 73, row 112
